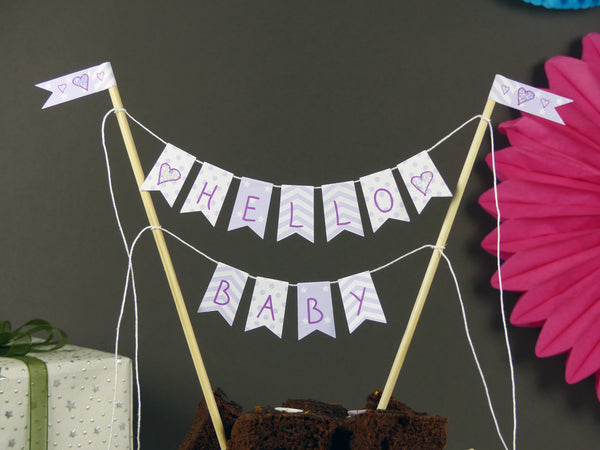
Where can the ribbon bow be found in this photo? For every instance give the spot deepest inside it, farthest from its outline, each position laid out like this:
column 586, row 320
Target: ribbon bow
column 19, row 342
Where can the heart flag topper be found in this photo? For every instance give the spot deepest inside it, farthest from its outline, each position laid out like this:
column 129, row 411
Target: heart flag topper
column 78, row 84
column 527, row 98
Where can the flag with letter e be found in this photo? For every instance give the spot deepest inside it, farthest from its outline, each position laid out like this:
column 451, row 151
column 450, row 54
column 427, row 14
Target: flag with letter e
column 78, row 84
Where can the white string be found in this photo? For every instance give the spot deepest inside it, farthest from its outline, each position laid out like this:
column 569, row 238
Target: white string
column 501, row 289
column 130, row 274
column 237, row 177
column 121, row 312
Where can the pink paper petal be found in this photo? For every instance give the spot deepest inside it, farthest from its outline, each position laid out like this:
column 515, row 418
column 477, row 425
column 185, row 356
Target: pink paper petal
column 531, row 267
column 569, row 320
column 536, row 305
column 584, row 358
column 591, row 52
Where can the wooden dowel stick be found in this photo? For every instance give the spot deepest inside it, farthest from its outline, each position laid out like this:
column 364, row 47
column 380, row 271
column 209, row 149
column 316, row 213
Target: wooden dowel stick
column 165, row 257
column 435, row 257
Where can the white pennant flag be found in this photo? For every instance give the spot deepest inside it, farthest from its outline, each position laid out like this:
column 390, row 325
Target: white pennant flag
column 340, row 206
column 208, row 192
column 267, row 308
column 224, row 292
column 296, row 212
column 527, row 98
column 78, row 84
column 169, row 173
column 315, row 309
column 360, row 300
column 423, row 180
column 382, row 198
column 251, row 206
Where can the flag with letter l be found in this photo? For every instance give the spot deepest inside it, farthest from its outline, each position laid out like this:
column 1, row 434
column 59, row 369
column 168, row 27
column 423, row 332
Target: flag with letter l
column 78, row 84
column 527, row 98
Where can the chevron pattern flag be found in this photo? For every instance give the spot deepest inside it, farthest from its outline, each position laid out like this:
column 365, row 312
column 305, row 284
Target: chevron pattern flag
column 169, row 173
column 340, row 205
column 296, row 212
column 315, row 309
column 382, row 198
column 208, row 192
column 360, row 300
column 224, row 292
column 267, row 308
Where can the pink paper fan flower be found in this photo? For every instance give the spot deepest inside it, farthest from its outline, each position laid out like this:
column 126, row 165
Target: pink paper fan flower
column 549, row 197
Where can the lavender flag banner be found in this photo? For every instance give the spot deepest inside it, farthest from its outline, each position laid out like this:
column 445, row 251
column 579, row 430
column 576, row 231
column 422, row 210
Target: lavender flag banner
column 383, row 199
column 341, row 209
column 315, row 309
column 360, row 300
column 527, row 98
column 296, row 212
column 224, row 292
column 78, row 84
column 267, row 308
column 251, row 206
column 208, row 192
column 423, row 180
column 169, row 173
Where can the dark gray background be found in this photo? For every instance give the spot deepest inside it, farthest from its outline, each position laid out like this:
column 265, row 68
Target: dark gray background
column 288, row 92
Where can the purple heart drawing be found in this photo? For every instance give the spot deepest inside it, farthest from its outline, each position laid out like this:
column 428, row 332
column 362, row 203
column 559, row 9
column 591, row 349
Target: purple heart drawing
column 545, row 102
column 62, row 87
column 524, row 96
column 505, row 89
column 167, row 174
column 82, row 81
column 422, row 182
column 100, row 75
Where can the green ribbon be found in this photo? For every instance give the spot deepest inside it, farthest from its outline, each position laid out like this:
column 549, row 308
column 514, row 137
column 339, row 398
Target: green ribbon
column 16, row 344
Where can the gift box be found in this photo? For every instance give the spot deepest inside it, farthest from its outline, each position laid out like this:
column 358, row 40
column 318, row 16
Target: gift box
column 74, row 408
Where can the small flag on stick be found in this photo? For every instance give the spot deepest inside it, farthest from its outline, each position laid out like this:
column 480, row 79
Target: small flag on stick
column 78, row 84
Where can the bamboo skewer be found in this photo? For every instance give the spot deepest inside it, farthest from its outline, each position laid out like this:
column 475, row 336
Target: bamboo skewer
column 435, row 257
column 169, row 269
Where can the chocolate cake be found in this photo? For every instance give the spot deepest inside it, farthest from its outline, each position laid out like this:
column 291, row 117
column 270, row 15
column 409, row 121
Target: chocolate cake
column 201, row 434
column 397, row 427
column 299, row 424
column 311, row 424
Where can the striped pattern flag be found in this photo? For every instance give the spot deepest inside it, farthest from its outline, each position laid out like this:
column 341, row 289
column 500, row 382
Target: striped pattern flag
column 169, row 173
column 382, row 198
column 340, row 206
column 297, row 212
column 267, row 308
column 224, row 292
column 208, row 192
column 360, row 300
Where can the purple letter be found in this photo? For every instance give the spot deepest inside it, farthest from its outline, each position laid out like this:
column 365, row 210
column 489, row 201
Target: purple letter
column 377, row 203
column 314, row 308
column 224, row 292
column 362, row 297
column 268, row 305
column 292, row 217
column 210, row 196
column 249, row 207
column 337, row 214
